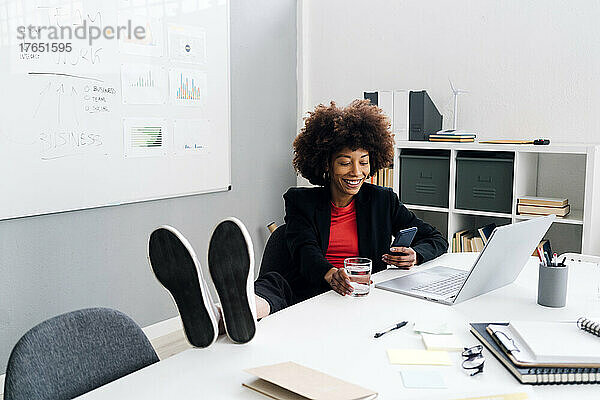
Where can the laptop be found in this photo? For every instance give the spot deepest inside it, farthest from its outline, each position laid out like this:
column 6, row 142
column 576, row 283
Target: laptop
column 499, row 263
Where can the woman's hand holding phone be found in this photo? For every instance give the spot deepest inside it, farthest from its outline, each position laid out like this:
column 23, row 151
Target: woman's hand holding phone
column 401, row 254
column 401, row 257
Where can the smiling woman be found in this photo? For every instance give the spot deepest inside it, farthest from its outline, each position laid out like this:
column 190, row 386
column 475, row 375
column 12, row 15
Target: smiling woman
column 338, row 149
column 349, row 169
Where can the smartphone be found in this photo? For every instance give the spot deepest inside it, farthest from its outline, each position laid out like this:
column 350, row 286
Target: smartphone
column 404, row 238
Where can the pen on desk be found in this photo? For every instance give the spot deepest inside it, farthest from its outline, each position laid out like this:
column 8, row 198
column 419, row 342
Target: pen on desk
column 391, row 328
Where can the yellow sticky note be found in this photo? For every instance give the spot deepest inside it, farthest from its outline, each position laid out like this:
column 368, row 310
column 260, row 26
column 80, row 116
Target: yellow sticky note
column 418, row 357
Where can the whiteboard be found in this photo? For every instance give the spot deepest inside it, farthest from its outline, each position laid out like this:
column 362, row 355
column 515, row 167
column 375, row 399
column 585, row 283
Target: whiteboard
column 89, row 122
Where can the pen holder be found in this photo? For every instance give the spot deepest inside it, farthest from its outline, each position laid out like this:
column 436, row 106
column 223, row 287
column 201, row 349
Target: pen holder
column 552, row 286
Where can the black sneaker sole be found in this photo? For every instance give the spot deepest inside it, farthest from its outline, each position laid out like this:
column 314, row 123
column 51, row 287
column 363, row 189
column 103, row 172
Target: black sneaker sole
column 174, row 267
column 231, row 267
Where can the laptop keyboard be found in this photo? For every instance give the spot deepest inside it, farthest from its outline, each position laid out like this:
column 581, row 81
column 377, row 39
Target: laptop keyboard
column 444, row 286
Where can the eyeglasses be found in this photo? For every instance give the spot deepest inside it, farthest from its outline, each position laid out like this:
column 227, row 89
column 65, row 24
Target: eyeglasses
column 473, row 359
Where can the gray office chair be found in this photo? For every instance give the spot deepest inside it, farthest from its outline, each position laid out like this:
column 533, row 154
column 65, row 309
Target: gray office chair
column 76, row 352
column 276, row 256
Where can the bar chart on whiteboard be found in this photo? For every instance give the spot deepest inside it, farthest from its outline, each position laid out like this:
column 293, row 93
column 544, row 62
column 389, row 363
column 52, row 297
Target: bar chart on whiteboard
column 188, row 87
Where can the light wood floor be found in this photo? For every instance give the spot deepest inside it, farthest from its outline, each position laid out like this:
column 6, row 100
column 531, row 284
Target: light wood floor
column 170, row 344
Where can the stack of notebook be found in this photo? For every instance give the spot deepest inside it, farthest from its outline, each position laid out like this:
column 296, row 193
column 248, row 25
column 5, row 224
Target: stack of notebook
column 452, row 135
column 528, row 349
column 529, row 205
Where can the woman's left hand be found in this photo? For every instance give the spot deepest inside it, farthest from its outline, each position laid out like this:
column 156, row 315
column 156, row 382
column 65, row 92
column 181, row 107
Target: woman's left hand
column 405, row 260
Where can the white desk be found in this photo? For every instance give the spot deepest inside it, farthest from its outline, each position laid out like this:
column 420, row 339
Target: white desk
column 334, row 334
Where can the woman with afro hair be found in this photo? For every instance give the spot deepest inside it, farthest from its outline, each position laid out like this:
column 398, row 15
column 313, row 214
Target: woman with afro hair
column 337, row 150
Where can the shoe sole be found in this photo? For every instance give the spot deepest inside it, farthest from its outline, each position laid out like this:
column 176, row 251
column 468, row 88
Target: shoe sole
column 231, row 266
column 176, row 267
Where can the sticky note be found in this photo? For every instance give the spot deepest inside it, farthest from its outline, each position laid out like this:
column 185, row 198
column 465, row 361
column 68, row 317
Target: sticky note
column 423, row 379
column 441, row 342
column 418, row 357
column 434, row 328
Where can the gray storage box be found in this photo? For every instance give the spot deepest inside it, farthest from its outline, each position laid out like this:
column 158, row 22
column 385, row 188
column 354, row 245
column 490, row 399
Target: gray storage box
column 424, row 177
column 484, row 181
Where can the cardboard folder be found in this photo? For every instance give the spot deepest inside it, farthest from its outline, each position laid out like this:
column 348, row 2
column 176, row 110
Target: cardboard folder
column 291, row 381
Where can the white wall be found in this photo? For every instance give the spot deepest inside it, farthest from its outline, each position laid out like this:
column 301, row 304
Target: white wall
column 532, row 67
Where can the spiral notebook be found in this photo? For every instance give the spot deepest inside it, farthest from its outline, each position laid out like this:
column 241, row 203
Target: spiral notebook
column 534, row 375
column 589, row 326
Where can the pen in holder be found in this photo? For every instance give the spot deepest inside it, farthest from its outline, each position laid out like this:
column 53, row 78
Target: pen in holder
column 552, row 285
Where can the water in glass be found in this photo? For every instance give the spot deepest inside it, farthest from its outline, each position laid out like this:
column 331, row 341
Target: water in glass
column 359, row 272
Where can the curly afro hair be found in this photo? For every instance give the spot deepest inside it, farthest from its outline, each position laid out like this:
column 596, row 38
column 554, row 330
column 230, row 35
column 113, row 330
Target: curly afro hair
column 327, row 130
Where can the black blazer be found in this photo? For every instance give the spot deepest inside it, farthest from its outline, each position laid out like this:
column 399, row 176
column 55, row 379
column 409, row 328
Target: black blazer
column 379, row 215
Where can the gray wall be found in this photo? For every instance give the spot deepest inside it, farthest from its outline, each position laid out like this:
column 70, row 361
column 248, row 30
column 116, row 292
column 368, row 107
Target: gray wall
column 57, row 263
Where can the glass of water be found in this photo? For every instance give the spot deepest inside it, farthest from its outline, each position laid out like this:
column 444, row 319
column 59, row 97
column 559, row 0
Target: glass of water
column 358, row 270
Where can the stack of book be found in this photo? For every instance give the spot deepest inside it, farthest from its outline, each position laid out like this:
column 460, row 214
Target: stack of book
column 529, row 205
column 384, row 177
column 452, row 136
column 472, row 239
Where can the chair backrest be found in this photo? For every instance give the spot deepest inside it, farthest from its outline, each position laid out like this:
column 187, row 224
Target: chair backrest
column 73, row 353
column 276, row 257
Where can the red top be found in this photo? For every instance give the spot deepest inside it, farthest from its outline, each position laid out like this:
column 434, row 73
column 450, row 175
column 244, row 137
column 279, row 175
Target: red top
column 343, row 237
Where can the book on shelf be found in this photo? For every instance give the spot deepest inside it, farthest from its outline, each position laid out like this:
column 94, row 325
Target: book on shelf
column 542, row 201
column 457, row 239
column 465, row 242
column 524, row 209
column 486, row 231
column 384, row 177
column 438, row 138
column 452, row 136
column 469, row 240
column 477, row 244
column 530, row 374
column 454, row 132
column 462, row 240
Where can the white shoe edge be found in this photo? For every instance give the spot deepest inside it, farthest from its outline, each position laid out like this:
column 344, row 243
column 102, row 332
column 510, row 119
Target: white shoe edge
column 250, row 277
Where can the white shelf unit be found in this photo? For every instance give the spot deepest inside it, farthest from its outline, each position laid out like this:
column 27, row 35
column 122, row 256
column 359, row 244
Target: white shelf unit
column 555, row 170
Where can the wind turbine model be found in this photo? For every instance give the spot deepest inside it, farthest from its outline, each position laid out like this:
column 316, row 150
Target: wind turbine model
column 456, row 92
column 455, row 130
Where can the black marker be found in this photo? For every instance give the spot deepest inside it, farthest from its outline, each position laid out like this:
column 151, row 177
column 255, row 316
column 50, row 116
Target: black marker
column 391, row 328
